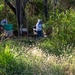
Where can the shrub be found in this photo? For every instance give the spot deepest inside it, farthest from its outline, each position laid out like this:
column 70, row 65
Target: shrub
column 17, row 59
column 63, row 25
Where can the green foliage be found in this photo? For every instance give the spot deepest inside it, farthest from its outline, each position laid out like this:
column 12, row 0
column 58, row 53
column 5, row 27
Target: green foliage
column 6, row 59
column 11, row 64
column 33, row 60
column 1, row 11
column 63, row 25
column 1, row 7
column 56, row 46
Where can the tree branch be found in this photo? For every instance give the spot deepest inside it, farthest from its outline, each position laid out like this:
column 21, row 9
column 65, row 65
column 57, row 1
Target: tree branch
column 10, row 5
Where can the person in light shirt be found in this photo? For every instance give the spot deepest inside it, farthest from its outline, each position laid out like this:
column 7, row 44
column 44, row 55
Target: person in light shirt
column 39, row 28
column 4, row 21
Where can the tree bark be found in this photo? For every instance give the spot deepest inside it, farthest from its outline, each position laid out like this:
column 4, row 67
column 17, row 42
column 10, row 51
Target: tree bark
column 20, row 13
column 45, row 9
column 18, row 4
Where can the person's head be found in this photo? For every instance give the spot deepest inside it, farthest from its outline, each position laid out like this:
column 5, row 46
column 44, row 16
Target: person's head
column 39, row 21
column 5, row 21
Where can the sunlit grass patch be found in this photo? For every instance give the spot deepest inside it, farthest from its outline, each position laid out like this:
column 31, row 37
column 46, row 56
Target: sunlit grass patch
column 21, row 59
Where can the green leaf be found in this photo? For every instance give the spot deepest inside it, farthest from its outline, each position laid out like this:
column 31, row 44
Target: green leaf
column 7, row 49
column 1, row 6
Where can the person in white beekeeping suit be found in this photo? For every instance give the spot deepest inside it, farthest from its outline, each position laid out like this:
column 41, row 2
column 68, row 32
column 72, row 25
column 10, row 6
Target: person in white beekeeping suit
column 4, row 21
column 39, row 29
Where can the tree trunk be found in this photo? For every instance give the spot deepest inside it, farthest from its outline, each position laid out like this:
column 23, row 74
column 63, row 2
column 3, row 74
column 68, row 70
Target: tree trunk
column 45, row 9
column 20, row 13
column 18, row 5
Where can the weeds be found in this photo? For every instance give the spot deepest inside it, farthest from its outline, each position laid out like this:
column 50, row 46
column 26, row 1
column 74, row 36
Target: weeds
column 16, row 59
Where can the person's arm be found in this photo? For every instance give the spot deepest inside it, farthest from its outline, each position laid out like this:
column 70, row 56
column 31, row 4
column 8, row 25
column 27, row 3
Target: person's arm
column 6, row 21
column 2, row 23
column 37, row 27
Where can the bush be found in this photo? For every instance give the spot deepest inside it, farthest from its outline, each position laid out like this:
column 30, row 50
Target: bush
column 63, row 25
column 17, row 59
column 56, row 46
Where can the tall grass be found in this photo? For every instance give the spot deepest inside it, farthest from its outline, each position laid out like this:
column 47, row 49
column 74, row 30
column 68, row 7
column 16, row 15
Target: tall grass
column 18, row 59
column 56, row 46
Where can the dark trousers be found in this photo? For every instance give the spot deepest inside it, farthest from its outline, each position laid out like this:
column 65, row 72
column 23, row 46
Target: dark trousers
column 39, row 33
